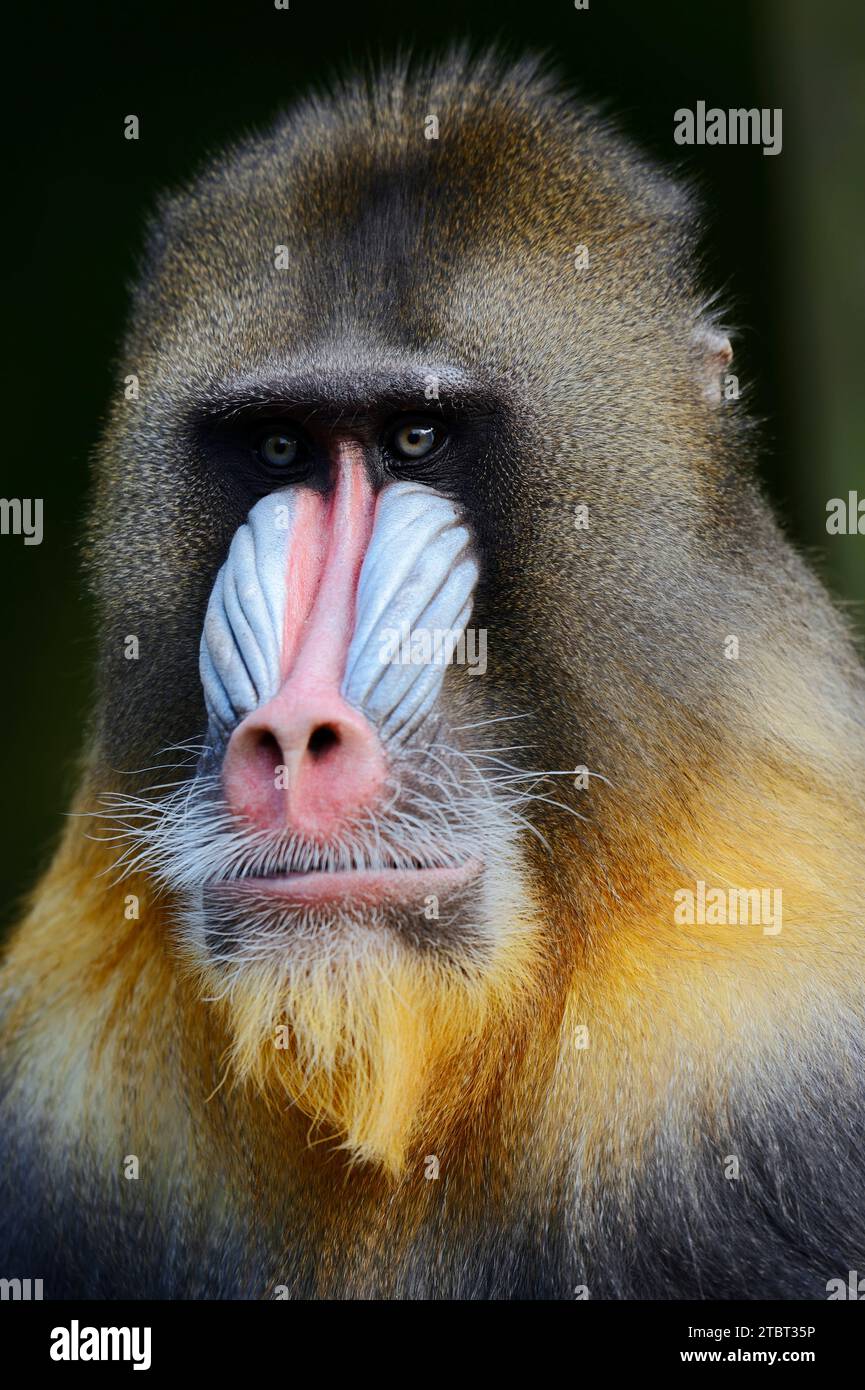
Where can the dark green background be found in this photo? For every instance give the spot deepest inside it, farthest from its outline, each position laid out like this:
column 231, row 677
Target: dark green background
column 785, row 247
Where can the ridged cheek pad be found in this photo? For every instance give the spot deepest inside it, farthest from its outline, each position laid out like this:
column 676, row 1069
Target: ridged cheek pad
column 418, row 573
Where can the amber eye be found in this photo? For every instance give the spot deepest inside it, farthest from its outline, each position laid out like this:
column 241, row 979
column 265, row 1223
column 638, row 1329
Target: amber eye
column 416, row 439
column 278, row 450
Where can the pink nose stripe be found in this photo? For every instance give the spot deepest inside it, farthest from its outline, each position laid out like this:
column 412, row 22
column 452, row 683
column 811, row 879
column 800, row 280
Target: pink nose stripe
column 332, row 536
column 303, row 573
column 306, row 760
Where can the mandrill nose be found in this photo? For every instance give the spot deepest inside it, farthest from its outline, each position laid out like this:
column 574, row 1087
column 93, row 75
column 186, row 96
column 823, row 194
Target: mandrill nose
column 304, row 762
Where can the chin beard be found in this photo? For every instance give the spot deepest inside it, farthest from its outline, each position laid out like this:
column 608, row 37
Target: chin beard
column 378, row 1023
column 377, row 1039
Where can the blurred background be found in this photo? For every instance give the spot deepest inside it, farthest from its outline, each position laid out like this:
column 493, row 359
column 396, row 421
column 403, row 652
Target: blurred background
column 784, row 246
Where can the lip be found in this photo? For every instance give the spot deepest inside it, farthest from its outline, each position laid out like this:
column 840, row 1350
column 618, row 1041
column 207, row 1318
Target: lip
column 402, row 887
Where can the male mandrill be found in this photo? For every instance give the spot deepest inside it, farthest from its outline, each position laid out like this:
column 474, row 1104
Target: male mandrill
column 365, row 974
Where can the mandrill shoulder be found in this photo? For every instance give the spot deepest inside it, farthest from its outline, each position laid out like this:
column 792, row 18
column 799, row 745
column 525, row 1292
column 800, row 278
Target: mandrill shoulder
column 98, row 1154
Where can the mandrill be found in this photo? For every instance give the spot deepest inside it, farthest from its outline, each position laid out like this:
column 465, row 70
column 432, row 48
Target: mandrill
column 464, row 895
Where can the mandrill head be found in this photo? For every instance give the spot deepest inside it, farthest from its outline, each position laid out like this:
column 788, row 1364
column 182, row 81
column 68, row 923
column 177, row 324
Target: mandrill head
column 378, row 385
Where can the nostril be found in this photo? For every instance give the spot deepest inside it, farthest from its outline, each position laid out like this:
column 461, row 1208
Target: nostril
column 267, row 752
column 322, row 740
column 294, row 767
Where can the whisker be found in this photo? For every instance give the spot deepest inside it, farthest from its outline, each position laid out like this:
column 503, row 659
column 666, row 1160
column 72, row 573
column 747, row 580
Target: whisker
column 443, row 805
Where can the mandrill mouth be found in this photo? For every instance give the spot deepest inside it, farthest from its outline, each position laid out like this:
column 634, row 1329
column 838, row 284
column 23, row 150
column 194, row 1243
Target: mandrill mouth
column 388, row 885
column 435, row 865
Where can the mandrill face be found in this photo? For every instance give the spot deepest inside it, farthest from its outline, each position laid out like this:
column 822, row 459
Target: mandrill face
column 344, row 860
column 334, row 804
column 338, row 519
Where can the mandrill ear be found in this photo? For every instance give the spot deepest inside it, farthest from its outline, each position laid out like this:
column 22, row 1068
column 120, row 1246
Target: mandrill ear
column 713, row 353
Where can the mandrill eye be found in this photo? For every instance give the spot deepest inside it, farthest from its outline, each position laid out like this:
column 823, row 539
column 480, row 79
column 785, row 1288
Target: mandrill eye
column 416, row 439
column 278, row 450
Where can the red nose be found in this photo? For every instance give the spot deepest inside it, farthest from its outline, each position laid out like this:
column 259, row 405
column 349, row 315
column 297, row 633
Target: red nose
column 306, row 761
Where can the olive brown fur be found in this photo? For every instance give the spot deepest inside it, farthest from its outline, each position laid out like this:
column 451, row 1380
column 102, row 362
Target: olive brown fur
column 584, row 1132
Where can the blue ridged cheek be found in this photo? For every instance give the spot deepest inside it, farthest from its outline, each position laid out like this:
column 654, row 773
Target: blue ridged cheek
column 418, row 573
